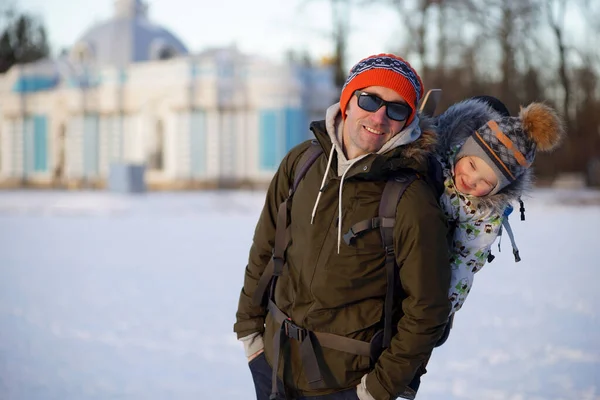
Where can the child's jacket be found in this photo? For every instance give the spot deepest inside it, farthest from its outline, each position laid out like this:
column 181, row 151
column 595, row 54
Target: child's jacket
column 476, row 221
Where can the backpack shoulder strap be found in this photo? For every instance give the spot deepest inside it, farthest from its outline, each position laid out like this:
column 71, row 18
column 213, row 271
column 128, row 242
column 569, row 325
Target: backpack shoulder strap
column 392, row 193
column 275, row 265
column 306, row 161
column 435, row 175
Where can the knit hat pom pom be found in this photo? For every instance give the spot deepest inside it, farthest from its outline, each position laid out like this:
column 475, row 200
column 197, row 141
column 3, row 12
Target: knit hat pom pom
column 543, row 125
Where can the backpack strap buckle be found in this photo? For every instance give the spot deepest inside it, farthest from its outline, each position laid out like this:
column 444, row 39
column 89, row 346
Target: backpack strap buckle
column 278, row 264
column 293, row 331
column 366, row 225
column 389, row 250
column 349, row 237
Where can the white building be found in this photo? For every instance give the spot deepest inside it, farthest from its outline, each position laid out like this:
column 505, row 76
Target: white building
column 130, row 92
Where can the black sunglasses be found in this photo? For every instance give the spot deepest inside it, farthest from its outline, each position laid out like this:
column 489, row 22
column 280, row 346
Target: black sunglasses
column 370, row 102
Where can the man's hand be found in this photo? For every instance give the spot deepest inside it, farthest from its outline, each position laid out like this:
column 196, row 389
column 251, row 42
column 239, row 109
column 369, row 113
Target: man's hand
column 361, row 390
column 253, row 345
column 253, row 356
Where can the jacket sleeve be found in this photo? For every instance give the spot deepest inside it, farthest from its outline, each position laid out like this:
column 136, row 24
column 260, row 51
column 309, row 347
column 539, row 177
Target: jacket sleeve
column 422, row 255
column 250, row 318
column 470, row 247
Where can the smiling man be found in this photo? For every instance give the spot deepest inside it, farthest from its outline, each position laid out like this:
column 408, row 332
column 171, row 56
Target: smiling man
column 367, row 131
column 321, row 317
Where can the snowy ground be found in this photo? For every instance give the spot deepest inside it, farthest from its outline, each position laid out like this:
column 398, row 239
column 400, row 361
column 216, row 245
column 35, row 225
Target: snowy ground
column 113, row 297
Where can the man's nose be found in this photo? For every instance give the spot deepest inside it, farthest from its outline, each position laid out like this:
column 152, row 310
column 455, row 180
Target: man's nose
column 381, row 114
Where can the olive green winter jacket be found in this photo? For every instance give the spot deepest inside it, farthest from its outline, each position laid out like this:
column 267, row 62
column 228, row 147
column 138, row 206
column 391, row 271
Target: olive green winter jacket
column 343, row 293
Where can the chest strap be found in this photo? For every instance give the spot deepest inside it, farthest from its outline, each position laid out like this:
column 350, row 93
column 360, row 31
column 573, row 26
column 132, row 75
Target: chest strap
column 363, row 226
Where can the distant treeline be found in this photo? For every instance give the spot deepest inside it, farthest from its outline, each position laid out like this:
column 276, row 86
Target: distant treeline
column 517, row 50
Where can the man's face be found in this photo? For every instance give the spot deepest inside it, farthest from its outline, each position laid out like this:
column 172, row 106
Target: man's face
column 366, row 132
column 473, row 176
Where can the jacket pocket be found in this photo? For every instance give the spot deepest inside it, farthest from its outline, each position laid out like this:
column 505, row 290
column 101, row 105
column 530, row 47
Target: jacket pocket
column 257, row 360
column 342, row 370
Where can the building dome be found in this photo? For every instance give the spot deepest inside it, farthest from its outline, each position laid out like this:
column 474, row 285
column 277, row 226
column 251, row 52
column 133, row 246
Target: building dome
column 127, row 38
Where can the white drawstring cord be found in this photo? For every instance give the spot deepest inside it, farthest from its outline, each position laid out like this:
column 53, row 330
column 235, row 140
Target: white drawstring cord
column 339, row 242
column 314, row 212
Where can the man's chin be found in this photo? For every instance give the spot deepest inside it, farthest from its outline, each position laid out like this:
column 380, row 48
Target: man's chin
column 373, row 146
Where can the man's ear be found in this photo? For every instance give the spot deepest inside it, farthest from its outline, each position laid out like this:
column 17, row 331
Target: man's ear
column 345, row 112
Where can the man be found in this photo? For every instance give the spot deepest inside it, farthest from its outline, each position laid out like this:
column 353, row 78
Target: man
column 328, row 298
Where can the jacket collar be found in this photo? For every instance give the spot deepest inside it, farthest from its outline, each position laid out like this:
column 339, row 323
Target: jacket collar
column 412, row 155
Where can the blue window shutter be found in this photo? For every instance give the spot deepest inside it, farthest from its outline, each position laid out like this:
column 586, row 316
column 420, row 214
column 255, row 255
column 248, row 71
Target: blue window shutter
column 91, row 145
column 198, row 143
column 269, row 154
column 40, row 143
column 295, row 127
column 28, row 146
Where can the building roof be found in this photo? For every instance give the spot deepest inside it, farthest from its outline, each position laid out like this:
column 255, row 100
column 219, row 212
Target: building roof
column 126, row 38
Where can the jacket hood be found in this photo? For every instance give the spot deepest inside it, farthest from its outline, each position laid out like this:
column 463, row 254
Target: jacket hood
column 408, row 151
column 456, row 125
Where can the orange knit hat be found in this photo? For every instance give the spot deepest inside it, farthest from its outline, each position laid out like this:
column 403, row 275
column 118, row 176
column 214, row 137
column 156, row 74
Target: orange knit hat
column 385, row 70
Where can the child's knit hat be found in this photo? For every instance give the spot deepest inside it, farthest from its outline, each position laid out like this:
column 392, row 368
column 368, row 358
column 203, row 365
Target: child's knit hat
column 509, row 144
column 385, row 70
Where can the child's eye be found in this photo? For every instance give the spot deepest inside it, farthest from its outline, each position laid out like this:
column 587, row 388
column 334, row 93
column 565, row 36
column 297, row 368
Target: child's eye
column 472, row 164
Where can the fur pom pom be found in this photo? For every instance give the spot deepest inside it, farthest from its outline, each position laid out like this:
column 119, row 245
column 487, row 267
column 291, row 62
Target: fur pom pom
column 543, row 125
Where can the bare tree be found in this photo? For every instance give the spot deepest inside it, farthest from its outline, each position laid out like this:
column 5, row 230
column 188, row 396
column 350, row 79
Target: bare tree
column 501, row 48
column 442, row 43
column 533, row 89
column 505, row 23
column 587, row 118
column 416, row 20
column 341, row 20
column 339, row 32
column 556, row 10
column 591, row 13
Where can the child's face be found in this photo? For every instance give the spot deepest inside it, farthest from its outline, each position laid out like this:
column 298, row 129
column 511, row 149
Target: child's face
column 474, row 177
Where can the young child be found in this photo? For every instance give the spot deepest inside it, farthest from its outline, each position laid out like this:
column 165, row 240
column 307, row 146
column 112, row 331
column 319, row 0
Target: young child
column 486, row 157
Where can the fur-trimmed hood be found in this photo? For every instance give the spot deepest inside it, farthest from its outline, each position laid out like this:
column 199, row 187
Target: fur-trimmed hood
column 401, row 154
column 456, row 125
column 408, row 149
